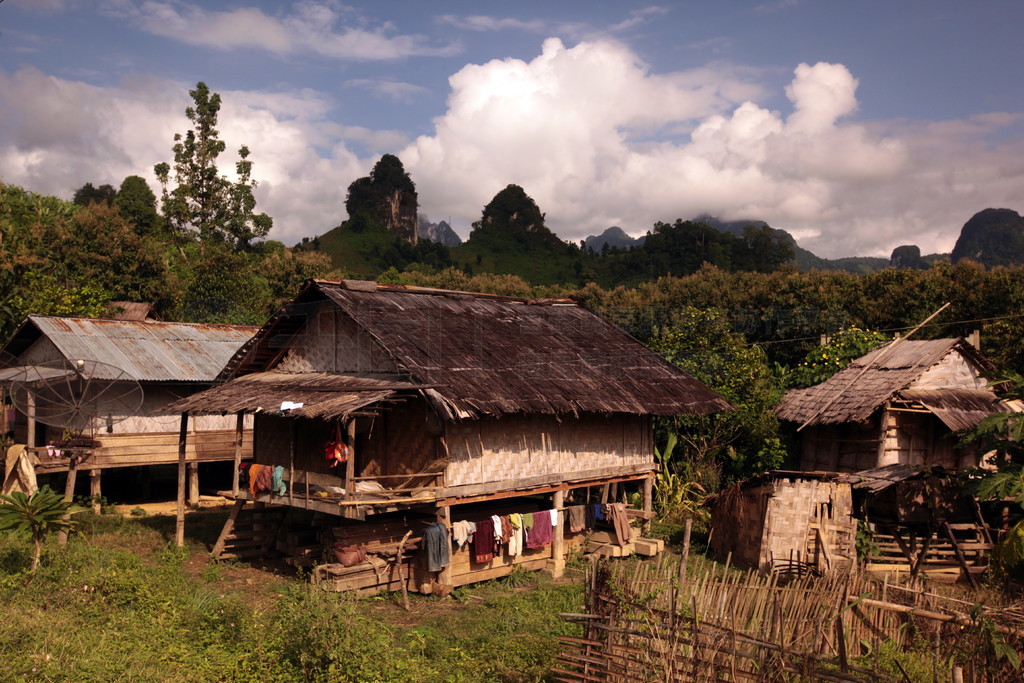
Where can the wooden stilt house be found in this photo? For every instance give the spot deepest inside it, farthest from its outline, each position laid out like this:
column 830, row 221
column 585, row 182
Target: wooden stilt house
column 899, row 405
column 454, row 407
column 161, row 361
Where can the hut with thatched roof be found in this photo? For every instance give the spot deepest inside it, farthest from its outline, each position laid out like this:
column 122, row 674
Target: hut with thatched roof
column 899, row 404
column 452, row 406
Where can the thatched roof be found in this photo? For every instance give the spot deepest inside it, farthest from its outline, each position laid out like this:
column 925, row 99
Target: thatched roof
column 885, row 374
column 321, row 394
column 492, row 355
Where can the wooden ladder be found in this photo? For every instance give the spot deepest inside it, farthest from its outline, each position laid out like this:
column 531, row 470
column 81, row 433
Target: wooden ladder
column 249, row 531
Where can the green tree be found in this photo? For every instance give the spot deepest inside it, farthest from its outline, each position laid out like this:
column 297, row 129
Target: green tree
column 137, row 203
column 739, row 443
column 36, row 516
column 202, row 200
column 87, row 194
column 385, row 199
column 823, row 361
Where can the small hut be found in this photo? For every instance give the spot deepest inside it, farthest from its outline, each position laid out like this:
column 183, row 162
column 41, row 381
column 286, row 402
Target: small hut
column 786, row 521
column 899, row 404
column 161, row 362
column 450, row 407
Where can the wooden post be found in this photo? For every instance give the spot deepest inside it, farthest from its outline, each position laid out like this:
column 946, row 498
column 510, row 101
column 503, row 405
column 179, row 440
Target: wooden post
column 30, row 421
column 648, row 502
column 686, row 549
column 350, row 465
column 292, row 434
column 95, row 492
column 69, row 495
column 558, row 538
column 239, row 425
column 193, row 484
column 179, row 530
column 444, row 577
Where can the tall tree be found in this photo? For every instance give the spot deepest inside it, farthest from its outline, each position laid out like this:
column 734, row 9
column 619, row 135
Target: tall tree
column 202, row 200
column 137, row 205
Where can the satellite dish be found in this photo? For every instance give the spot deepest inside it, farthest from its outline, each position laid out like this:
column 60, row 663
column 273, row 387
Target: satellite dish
column 76, row 395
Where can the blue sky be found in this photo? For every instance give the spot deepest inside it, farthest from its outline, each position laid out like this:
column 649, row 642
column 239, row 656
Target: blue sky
column 858, row 126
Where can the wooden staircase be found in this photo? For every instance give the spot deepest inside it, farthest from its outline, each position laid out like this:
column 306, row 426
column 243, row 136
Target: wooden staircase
column 250, row 530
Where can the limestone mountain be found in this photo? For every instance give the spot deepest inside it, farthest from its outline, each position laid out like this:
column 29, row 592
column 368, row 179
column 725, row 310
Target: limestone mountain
column 386, row 198
column 441, row 233
column 907, row 256
column 992, row 237
column 614, row 237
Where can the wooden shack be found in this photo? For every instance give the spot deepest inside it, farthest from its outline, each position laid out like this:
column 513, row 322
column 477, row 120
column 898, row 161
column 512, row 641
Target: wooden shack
column 456, row 407
column 168, row 361
column 898, row 405
column 786, row 521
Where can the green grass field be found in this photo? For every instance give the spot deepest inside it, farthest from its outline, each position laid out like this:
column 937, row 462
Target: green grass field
column 122, row 603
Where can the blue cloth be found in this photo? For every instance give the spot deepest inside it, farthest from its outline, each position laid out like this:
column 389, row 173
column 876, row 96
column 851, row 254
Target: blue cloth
column 277, row 481
column 599, row 512
column 437, row 547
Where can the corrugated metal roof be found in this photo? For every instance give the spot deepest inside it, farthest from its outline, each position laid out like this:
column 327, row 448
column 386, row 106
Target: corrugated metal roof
column 147, row 350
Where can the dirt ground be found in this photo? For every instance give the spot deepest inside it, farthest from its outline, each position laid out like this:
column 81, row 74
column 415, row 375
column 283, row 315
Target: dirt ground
column 170, row 507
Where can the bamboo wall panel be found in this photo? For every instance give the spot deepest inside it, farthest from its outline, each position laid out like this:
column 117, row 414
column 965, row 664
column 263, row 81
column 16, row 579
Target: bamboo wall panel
column 952, row 372
column 848, row 447
column 332, row 342
column 524, row 446
column 130, row 450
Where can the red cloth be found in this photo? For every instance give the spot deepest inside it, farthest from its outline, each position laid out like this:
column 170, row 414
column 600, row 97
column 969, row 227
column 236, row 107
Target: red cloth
column 540, row 535
column 483, row 542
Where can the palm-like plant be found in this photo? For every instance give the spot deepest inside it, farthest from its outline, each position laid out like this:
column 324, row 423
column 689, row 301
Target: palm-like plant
column 37, row 516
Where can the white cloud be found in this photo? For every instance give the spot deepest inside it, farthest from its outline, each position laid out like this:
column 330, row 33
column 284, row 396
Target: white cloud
column 582, row 130
column 395, row 91
column 325, row 28
column 479, row 22
column 57, row 135
column 590, row 132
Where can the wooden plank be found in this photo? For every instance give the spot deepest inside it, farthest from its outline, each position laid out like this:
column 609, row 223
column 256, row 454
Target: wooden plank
column 574, row 479
column 239, row 431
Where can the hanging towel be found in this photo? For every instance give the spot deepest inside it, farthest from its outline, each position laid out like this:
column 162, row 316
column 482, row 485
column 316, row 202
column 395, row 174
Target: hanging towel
column 620, row 522
column 540, row 534
column 527, row 521
column 554, row 517
column 483, row 542
column 254, row 477
column 577, row 519
column 462, row 531
column 435, row 544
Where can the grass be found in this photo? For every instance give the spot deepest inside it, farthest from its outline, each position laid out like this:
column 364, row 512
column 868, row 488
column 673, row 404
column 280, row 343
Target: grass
column 122, row 603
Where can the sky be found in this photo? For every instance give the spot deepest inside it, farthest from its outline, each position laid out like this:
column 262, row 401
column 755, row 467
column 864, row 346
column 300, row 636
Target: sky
column 856, row 126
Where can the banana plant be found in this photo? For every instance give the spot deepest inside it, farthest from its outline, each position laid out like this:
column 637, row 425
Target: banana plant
column 37, row 516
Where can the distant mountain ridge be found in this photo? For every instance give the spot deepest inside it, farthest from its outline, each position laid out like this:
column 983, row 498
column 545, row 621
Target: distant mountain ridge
column 614, row 237
column 992, row 237
column 441, row 233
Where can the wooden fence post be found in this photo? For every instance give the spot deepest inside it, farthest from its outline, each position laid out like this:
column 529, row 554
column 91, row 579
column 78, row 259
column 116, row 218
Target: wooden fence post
column 179, row 529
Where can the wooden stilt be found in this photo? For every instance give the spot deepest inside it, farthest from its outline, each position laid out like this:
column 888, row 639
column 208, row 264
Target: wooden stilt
column 95, row 492
column 239, row 426
column 293, row 435
column 558, row 538
column 193, row 484
column 350, row 466
column 444, row 577
column 179, row 528
column 69, row 496
column 648, row 503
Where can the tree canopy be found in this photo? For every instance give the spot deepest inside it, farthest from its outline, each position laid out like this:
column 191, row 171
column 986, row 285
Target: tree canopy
column 201, row 200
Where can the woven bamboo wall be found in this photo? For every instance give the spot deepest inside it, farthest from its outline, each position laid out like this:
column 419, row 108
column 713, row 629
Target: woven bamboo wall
column 848, row 447
column 273, row 437
column 332, row 342
column 515, row 447
column 737, row 524
column 399, row 441
column 795, row 510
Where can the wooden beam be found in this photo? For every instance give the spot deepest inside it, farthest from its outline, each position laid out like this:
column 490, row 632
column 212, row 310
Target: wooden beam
column 69, row 496
column 648, row 504
column 229, row 526
column 193, row 484
column 525, row 487
column 179, row 527
column 350, row 465
column 444, row 577
column 593, row 477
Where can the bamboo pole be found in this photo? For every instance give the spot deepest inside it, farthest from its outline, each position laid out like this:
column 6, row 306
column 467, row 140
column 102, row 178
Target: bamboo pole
column 179, row 528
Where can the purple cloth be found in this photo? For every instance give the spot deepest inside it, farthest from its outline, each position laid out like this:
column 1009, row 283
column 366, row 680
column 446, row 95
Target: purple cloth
column 540, row 534
column 483, row 542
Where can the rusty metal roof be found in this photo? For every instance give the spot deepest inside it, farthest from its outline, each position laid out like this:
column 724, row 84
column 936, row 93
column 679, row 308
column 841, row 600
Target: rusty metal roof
column 147, row 350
